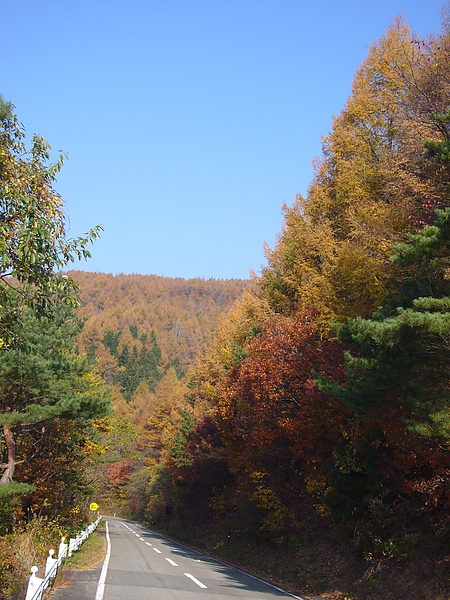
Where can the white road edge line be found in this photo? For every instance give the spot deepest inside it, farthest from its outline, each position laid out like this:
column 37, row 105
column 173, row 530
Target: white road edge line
column 101, row 581
column 174, row 564
column 199, row 583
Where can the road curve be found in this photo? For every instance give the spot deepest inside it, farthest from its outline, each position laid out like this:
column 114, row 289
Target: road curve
column 144, row 565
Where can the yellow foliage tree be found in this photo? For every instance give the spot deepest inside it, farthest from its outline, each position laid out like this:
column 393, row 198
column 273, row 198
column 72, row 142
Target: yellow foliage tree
column 371, row 183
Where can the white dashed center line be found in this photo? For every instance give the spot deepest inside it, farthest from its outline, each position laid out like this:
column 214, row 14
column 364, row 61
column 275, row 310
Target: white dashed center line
column 199, row 583
column 169, row 560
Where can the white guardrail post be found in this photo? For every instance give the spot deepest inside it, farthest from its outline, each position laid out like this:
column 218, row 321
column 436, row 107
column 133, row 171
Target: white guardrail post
column 37, row 585
column 62, row 552
column 51, row 567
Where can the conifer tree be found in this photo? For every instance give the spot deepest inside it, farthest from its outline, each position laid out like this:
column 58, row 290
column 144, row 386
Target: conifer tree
column 397, row 381
column 43, row 380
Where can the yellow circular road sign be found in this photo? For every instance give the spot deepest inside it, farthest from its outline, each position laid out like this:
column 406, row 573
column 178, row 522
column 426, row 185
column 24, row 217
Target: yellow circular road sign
column 93, row 506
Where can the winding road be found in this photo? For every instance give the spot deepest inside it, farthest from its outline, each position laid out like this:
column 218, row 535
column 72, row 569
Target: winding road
column 141, row 564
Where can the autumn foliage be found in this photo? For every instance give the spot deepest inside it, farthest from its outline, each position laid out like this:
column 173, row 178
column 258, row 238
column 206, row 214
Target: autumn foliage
column 270, row 406
column 312, row 403
column 323, row 400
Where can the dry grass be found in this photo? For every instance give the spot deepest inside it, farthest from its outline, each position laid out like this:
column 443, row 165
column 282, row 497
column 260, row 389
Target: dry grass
column 91, row 553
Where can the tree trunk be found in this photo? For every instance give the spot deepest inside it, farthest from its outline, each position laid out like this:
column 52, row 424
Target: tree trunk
column 11, row 447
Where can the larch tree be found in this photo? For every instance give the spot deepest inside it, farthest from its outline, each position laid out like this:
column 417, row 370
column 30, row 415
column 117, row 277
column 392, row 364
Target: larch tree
column 372, row 182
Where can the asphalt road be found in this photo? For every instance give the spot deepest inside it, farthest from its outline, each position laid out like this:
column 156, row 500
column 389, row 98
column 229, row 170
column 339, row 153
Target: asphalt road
column 144, row 565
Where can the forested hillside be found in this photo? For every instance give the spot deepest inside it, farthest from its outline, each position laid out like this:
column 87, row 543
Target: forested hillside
column 179, row 314
column 138, row 327
column 144, row 334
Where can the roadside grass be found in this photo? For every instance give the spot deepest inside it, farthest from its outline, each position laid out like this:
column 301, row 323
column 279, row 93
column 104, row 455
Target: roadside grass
column 91, row 553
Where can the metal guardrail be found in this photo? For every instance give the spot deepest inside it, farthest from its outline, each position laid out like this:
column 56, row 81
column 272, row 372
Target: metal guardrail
column 38, row 585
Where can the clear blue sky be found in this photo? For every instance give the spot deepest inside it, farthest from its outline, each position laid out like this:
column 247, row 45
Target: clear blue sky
column 187, row 123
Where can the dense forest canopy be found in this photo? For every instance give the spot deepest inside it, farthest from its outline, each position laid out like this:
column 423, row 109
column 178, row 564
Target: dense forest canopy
column 181, row 313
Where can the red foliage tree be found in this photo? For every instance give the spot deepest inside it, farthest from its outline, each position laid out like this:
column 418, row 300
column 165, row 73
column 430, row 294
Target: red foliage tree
column 280, row 429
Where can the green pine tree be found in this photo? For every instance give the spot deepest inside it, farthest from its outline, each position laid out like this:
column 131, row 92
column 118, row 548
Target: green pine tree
column 43, row 380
